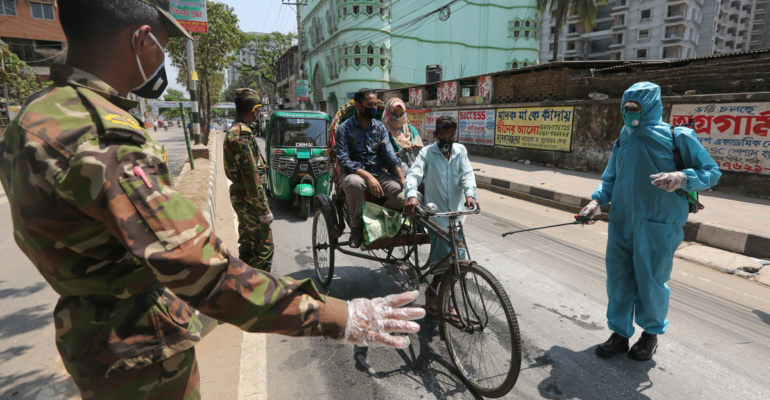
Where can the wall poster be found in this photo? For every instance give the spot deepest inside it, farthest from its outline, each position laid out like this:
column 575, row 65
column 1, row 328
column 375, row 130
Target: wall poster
column 430, row 124
column 544, row 128
column 477, row 127
column 735, row 134
column 447, row 93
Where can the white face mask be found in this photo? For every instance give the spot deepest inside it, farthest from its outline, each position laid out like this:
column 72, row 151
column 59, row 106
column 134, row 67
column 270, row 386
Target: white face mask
column 155, row 85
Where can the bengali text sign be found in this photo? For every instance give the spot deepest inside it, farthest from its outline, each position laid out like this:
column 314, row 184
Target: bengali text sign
column 477, row 127
column 735, row 134
column 191, row 14
column 544, row 128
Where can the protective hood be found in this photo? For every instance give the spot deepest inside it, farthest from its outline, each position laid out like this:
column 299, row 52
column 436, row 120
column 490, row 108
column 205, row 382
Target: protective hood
column 648, row 95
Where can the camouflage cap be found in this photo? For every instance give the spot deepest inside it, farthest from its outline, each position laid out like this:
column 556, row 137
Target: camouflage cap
column 175, row 29
column 245, row 93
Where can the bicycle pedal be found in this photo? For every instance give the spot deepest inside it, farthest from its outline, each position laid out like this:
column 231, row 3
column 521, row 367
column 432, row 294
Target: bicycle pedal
column 392, row 269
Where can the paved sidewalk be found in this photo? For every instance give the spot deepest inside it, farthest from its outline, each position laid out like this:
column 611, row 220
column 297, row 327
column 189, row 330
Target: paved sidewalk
column 730, row 222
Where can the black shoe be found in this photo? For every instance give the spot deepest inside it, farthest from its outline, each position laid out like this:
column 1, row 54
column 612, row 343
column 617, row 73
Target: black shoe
column 644, row 348
column 615, row 345
column 356, row 237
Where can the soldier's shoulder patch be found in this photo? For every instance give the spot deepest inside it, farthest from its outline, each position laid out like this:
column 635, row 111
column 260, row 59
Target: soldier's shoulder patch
column 122, row 121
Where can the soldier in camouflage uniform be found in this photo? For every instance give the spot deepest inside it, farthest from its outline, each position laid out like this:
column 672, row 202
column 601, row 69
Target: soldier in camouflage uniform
column 243, row 163
column 94, row 209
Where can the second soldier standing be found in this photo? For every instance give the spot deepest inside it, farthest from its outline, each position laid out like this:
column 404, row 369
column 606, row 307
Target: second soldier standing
column 242, row 167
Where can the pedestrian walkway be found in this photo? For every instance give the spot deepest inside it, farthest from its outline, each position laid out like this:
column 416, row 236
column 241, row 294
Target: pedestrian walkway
column 730, row 222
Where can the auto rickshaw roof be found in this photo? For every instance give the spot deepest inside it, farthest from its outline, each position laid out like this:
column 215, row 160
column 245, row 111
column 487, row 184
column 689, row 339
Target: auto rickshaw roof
column 300, row 114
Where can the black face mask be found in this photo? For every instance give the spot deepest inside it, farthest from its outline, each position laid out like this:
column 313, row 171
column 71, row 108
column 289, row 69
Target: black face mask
column 445, row 145
column 155, row 85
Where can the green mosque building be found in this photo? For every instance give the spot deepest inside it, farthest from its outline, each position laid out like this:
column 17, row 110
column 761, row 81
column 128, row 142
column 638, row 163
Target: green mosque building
column 387, row 44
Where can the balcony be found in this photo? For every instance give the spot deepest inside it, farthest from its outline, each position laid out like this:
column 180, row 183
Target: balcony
column 620, row 5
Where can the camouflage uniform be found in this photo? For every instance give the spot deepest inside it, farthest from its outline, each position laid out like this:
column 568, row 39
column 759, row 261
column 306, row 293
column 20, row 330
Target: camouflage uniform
column 94, row 209
column 243, row 164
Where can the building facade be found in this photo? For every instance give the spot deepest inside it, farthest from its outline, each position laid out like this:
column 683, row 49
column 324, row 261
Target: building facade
column 245, row 57
column 33, row 32
column 661, row 30
column 382, row 44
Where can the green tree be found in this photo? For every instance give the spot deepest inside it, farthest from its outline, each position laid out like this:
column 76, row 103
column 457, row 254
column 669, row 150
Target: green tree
column 245, row 79
column 19, row 77
column 585, row 10
column 266, row 50
column 173, row 95
column 214, row 51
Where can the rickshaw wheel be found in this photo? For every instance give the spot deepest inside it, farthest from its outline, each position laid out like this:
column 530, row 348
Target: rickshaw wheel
column 324, row 244
column 305, row 207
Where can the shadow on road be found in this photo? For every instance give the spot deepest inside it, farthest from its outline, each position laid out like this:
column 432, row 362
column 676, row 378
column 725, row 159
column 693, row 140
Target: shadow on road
column 22, row 292
column 582, row 375
column 763, row 316
column 28, row 319
column 35, row 385
column 426, row 362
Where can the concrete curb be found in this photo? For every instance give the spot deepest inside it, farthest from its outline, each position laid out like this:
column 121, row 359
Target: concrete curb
column 710, row 234
column 209, row 210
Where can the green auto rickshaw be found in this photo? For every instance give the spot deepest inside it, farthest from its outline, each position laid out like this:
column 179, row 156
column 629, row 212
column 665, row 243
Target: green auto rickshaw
column 298, row 158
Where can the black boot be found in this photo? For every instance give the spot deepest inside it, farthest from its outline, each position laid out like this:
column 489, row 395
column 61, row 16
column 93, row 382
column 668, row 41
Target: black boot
column 644, row 348
column 615, row 345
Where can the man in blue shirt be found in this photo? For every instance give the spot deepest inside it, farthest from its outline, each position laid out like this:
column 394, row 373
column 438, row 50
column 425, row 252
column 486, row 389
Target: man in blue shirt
column 363, row 152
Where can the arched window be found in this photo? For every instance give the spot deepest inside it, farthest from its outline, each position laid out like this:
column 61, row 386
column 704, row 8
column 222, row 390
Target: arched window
column 526, row 24
column 382, row 62
column 382, row 50
column 344, row 11
column 345, row 50
column 526, row 33
column 383, row 10
column 345, row 62
column 356, row 50
column 370, row 10
column 370, row 49
column 515, row 65
column 516, row 24
column 534, row 34
column 525, row 64
column 516, row 33
column 355, row 10
column 535, row 24
column 370, row 61
column 356, row 61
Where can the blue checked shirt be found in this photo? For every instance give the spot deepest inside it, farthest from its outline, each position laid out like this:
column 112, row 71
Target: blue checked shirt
column 368, row 148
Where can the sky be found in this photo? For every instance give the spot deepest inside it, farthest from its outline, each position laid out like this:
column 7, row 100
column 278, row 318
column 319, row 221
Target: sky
column 253, row 16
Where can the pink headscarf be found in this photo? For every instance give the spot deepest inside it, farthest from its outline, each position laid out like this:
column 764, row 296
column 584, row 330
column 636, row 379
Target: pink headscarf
column 398, row 127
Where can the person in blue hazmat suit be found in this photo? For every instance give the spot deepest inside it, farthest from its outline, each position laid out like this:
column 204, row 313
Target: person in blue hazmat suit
column 646, row 218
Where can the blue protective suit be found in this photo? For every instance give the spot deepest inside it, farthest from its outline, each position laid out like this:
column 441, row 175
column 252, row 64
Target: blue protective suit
column 645, row 222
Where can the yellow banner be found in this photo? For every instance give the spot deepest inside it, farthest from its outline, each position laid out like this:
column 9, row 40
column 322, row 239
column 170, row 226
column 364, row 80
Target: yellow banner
column 544, row 128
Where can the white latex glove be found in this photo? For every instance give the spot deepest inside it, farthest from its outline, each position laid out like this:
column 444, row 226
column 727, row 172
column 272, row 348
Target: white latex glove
column 266, row 218
column 370, row 322
column 591, row 210
column 669, row 181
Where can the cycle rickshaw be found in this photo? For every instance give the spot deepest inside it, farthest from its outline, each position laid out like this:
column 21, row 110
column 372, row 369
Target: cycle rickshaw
column 475, row 316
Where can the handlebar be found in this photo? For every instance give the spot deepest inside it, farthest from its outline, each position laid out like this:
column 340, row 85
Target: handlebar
column 421, row 210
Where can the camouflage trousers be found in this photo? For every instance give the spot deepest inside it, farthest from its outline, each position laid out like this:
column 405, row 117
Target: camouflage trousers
column 255, row 239
column 175, row 378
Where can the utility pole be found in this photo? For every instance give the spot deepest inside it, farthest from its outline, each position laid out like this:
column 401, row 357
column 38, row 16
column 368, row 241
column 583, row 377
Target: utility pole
column 196, row 122
column 297, row 73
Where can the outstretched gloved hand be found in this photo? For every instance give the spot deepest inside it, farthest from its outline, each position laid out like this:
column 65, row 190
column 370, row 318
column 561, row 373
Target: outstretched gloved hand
column 591, row 210
column 669, row 181
column 266, row 218
column 370, row 322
